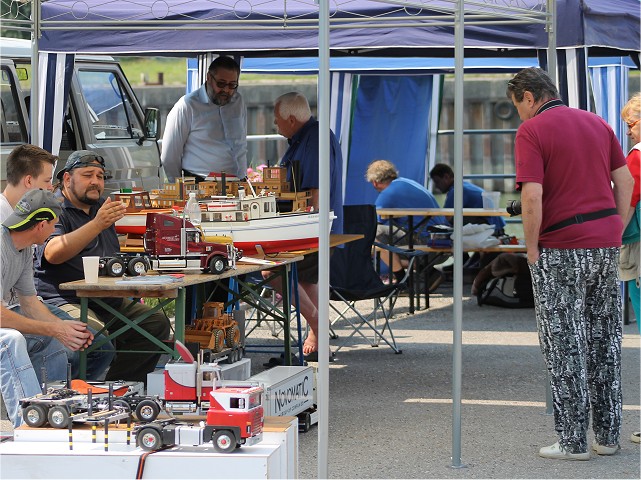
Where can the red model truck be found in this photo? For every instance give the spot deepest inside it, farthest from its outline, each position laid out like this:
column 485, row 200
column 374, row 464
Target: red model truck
column 173, row 243
column 235, row 417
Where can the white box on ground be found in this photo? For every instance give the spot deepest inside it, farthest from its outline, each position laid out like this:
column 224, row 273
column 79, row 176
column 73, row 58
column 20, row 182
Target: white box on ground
column 44, row 453
column 288, row 390
column 54, row 460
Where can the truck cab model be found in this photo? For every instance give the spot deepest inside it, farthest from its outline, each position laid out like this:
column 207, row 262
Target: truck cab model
column 103, row 115
column 173, row 243
column 234, row 418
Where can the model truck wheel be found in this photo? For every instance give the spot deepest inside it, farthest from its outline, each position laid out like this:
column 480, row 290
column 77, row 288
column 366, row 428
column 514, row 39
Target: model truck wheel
column 224, row 441
column 58, row 417
column 232, row 338
column 115, row 267
column 147, row 411
column 218, row 340
column 35, row 415
column 121, row 404
column 304, row 422
column 136, row 266
column 217, row 264
column 149, row 439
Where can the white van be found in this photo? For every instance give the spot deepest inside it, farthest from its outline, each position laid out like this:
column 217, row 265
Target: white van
column 103, row 115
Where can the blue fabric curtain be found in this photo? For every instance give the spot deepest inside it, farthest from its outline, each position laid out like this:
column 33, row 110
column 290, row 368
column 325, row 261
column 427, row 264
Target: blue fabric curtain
column 390, row 122
column 610, row 88
column 55, row 72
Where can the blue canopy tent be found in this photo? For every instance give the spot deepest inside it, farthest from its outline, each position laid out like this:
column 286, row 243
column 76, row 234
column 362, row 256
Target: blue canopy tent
column 358, row 28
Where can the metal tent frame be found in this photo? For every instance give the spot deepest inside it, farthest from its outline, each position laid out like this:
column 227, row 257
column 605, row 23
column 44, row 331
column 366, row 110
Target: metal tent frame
column 456, row 14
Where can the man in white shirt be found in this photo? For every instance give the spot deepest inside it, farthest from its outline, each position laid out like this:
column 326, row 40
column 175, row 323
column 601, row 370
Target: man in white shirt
column 206, row 129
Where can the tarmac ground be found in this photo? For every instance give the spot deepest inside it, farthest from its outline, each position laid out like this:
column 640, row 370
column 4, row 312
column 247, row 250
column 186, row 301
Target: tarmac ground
column 390, row 415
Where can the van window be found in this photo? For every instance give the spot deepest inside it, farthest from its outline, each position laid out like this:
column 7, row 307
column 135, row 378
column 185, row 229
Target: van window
column 110, row 105
column 12, row 126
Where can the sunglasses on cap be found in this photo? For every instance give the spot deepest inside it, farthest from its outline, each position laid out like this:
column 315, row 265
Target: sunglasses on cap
column 87, row 161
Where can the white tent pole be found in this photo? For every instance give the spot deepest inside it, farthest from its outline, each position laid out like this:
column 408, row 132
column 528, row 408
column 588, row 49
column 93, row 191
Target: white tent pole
column 322, row 391
column 35, row 73
column 551, row 28
column 457, row 337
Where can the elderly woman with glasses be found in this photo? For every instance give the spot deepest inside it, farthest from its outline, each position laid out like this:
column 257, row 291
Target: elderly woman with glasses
column 629, row 269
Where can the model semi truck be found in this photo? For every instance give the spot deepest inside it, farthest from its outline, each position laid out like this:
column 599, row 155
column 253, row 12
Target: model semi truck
column 173, row 243
column 235, row 417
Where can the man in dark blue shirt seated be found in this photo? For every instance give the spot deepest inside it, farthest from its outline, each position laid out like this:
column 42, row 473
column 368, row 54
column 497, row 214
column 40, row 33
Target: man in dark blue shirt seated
column 443, row 177
column 86, row 228
column 293, row 119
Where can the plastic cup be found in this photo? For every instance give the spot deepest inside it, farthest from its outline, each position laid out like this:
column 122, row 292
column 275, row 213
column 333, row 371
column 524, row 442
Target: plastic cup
column 491, row 200
column 90, row 265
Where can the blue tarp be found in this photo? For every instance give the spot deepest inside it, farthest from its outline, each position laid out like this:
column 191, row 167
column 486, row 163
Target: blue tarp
column 609, row 23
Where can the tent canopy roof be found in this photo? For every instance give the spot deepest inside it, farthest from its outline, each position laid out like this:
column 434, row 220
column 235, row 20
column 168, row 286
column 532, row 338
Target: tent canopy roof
column 358, row 27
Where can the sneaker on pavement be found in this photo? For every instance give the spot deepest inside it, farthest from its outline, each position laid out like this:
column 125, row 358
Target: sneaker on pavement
column 604, row 449
column 635, row 437
column 556, row 451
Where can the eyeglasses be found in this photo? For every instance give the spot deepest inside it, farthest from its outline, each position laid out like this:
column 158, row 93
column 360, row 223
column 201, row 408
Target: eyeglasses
column 221, row 85
column 633, row 124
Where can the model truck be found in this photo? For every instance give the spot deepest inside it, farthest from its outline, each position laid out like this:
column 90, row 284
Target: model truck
column 234, row 418
column 173, row 243
column 83, row 401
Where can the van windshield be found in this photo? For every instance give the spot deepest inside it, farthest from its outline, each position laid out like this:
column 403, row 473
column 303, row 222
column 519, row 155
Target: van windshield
column 110, row 105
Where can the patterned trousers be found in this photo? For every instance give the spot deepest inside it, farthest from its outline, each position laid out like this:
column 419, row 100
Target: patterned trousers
column 578, row 312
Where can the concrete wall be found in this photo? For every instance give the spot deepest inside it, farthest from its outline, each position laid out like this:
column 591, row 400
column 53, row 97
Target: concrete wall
column 486, row 107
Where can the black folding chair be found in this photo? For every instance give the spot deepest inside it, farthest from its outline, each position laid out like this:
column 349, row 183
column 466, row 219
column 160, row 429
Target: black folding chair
column 353, row 278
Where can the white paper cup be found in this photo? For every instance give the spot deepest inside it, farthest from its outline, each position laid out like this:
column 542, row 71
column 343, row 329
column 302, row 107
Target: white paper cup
column 491, row 200
column 90, row 265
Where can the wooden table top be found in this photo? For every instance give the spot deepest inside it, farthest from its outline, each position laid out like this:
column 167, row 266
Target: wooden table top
column 116, row 287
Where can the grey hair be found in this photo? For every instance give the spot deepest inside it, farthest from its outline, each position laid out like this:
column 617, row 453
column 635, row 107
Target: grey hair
column 293, row 104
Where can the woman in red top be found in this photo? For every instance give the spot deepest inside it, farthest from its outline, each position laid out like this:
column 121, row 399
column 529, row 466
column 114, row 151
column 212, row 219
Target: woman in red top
column 631, row 115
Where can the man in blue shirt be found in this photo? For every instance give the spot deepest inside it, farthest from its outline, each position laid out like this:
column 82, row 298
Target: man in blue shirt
column 293, row 119
column 399, row 192
column 443, row 177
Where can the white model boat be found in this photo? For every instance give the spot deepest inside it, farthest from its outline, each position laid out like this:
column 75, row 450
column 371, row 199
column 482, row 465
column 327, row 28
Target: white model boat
column 253, row 220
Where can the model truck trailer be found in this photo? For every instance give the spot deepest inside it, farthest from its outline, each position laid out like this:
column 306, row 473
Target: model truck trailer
column 173, row 243
column 235, row 417
column 289, row 391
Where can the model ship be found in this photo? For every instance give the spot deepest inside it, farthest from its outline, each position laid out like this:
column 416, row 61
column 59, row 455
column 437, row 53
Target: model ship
column 138, row 204
column 252, row 220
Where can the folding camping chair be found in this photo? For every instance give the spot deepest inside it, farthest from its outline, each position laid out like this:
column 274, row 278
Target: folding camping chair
column 353, row 278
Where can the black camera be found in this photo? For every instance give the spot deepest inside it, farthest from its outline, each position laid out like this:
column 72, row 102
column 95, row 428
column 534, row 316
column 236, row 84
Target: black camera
column 513, row 207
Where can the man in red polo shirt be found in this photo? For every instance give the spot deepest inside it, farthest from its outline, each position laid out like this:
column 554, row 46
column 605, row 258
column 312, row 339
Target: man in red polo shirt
column 575, row 188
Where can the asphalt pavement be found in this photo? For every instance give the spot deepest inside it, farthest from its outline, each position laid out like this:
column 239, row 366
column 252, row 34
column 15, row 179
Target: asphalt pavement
column 391, row 415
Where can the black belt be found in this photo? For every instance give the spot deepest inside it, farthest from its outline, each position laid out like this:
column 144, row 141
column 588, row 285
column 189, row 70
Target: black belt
column 580, row 218
column 199, row 178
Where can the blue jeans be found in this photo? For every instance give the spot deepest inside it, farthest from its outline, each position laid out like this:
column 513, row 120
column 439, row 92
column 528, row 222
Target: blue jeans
column 22, row 358
column 98, row 361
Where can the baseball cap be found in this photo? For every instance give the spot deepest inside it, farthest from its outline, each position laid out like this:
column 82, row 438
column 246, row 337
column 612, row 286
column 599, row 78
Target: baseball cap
column 80, row 159
column 35, row 206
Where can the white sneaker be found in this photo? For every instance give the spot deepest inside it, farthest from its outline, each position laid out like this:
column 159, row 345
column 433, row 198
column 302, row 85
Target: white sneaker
column 635, row 437
column 558, row 452
column 604, row 449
